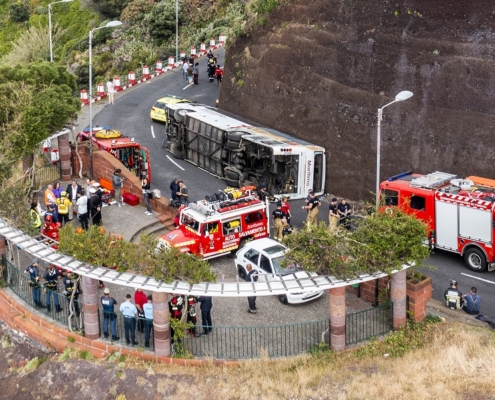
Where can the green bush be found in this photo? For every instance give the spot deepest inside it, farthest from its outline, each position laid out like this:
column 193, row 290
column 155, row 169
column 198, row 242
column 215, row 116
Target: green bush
column 19, row 12
column 162, row 20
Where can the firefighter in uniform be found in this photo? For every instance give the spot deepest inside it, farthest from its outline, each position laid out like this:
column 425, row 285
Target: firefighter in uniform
column 453, row 296
column 191, row 314
column 34, row 282
column 175, row 307
column 69, row 281
column 277, row 222
column 312, row 207
column 51, row 285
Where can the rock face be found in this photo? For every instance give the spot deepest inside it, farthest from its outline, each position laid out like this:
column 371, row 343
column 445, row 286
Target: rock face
column 320, row 69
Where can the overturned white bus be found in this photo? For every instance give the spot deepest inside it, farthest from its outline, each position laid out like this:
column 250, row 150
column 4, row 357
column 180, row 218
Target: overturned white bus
column 244, row 154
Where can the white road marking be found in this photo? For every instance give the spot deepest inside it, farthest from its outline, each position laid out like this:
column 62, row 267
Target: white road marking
column 152, row 132
column 480, row 279
column 175, row 163
column 188, row 86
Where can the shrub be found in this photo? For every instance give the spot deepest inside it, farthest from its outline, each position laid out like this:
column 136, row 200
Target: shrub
column 19, row 12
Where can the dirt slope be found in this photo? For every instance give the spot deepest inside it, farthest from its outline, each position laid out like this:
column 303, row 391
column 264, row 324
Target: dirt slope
column 320, row 69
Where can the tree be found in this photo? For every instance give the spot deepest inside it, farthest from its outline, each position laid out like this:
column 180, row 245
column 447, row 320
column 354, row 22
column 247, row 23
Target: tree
column 162, row 20
column 19, row 12
column 100, row 249
column 382, row 242
column 111, row 8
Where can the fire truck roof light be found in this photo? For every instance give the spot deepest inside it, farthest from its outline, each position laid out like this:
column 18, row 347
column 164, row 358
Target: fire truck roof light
column 398, row 176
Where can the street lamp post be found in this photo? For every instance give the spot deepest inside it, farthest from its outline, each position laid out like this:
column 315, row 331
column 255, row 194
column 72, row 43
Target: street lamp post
column 50, row 24
column 404, row 95
column 176, row 30
column 111, row 24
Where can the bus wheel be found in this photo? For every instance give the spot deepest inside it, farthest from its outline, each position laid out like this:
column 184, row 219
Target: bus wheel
column 475, row 259
column 174, row 149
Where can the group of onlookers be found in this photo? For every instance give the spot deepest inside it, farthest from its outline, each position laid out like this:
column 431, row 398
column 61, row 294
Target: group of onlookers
column 190, row 69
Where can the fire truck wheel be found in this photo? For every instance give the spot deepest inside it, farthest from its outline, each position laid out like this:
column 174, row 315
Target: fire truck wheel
column 475, row 259
column 283, row 299
column 174, row 149
column 241, row 271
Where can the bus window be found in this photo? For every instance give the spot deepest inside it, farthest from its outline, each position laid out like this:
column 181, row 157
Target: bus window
column 318, row 174
column 391, row 197
column 417, row 202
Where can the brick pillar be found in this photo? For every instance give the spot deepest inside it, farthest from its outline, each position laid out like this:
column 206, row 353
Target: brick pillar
column 161, row 324
column 337, row 318
column 64, row 153
column 90, row 308
column 398, row 297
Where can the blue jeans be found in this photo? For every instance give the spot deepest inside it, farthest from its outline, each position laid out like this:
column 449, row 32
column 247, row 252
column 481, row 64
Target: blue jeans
column 55, row 297
column 148, row 325
column 130, row 328
column 36, row 295
column 110, row 317
column 147, row 201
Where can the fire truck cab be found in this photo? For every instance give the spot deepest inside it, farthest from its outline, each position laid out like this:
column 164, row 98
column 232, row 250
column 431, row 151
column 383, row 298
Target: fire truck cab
column 459, row 213
column 212, row 229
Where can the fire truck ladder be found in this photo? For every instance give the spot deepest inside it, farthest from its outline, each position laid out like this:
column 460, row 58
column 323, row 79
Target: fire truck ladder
column 433, row 180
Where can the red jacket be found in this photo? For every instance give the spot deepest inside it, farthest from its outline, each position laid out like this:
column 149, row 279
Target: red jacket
column 140, row 298
column 218, row 72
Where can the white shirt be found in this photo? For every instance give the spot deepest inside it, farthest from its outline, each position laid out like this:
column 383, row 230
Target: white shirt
column 73, row 192
column 82, row 205
column 185, row 66
column 110, row 87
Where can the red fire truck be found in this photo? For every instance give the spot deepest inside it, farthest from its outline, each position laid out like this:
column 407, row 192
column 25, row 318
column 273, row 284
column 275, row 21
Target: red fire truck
column 459, row 212
column 136, row 158
column 212, row 229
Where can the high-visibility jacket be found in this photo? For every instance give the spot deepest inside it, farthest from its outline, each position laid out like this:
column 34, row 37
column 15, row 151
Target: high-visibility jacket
column 63, row 205
column 35, row 218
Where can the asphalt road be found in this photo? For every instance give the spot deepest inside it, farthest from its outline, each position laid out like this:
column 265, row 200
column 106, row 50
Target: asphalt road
column 130, row 114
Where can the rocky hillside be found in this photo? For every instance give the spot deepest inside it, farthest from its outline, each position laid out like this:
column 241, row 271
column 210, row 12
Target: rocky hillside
column 320, row 70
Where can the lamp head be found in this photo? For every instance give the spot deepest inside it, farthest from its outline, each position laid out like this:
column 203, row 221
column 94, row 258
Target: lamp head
column 113, row 24
column 404, row 95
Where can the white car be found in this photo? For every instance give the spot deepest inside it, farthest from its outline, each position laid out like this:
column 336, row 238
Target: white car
column 265, row 255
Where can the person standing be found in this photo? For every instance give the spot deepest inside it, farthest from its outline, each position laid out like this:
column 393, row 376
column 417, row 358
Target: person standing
column 148, row 320
column 51, row 285
column 140, row 300
column 472, row 302
column 344, row 210
column 175, row 307
column 196, row 73
column 333, row 215
column 57, row 190
column 109, row 317
column 174, row 188
column 69, row 281
column 118, row 184
column 211, row 70
column 277, row 222
column 110, row 91
column 72, row 191
column 35, row 217
column 192, row 315
column 219, row 74
column 252, row 276
column 34, row 282
column 205, row 307
column 82, row 209
column 286, row 209
column 190, row 75
column 312, row 207
column 185, row 66
column 63, row 204
column 129, row 311
column 183, row 193
column 94, row 207
column 146, row 187
column 88, row 186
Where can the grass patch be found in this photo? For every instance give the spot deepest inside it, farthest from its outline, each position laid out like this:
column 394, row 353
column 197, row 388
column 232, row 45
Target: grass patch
column 32, row 364
column 71, row 339
column 85, row 355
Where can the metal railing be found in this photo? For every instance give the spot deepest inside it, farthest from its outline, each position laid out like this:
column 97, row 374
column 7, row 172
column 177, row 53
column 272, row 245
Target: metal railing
column 369, row 323
column 139, row 330
column 47, row 174
column 229, row 342
column 18, row 282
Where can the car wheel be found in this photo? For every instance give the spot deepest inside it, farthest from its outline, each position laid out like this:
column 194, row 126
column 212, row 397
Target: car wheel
column 241, row 271
column 475, row 260
column 244, row 242
column 283, row 299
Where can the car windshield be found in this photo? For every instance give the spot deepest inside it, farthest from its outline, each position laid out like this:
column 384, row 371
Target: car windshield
column 190, row 222
column 278, row 248
column 159, row 104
